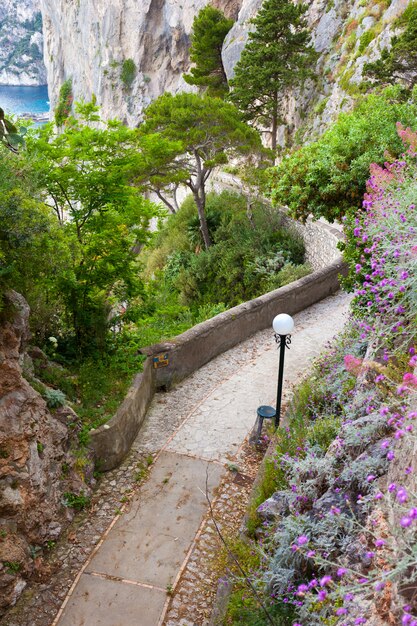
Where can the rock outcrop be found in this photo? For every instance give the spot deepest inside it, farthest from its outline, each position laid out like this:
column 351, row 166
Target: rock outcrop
column 21, row 43
column 347, row 34
column 37, row 466
column 90, row 41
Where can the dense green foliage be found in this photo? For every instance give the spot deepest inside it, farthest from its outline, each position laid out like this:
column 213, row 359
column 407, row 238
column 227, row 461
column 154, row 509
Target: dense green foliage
column 191, row 135
column 65, row 100
column 128, row 72
column 327, row 177
column 247, row 258
column 210, row 28
column 277, row 56
column 85, row 171
column 10, row 136
column 399, row 62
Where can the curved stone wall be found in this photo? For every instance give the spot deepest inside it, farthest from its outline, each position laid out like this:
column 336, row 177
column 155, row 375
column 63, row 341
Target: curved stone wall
column 198, row 345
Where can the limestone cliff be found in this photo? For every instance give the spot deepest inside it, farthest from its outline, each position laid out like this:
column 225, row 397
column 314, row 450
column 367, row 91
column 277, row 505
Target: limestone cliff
column 21, row 45
column 90, row 42
column 37, row 465
column 347, row 34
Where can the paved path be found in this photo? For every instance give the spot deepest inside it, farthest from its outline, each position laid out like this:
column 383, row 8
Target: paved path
column 196, row 429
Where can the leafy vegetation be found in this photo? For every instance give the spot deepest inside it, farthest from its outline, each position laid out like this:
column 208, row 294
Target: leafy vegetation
column 65, row 100
column 85, row 172
column 346, row 533
column 247, row 257
column 210, row 28
column 76, row 501
column 399, row 62
column 327, row 178
column 128, row 72
column 184, row 138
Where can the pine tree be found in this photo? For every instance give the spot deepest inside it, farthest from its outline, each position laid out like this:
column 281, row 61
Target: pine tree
column 210, row 28
column 278, row 56
column 184, row 138
column 400, row 62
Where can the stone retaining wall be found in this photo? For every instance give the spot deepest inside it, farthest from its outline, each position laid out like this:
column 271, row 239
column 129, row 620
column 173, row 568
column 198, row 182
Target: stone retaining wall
column 169, row 363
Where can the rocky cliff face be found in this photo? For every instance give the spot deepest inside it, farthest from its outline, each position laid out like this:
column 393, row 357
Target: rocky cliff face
column 89, row 42
column 347, row 34
column 21, row 44
column 37, row 466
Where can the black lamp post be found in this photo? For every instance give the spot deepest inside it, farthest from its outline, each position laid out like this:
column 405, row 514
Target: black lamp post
column 283, row 325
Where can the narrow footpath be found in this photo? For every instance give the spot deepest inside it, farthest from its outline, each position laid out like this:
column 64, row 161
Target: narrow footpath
column 196, row 431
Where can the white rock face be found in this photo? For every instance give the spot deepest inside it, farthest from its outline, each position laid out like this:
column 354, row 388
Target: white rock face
column 21, row 46
column 88, row 41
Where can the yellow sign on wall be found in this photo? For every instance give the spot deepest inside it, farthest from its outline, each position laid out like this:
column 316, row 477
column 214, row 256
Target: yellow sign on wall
column 160, row 360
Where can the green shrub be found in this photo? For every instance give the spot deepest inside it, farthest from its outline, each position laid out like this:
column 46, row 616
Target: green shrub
column 327, row 178
column 76, row 501
column 248, row 257
column 65, row 100
column 54, row 398
column 128, row 72
column 365, row 40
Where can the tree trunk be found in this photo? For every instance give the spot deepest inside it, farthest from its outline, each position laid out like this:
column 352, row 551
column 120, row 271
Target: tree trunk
column 199, row 193
column 274, row 130
column 201, row 206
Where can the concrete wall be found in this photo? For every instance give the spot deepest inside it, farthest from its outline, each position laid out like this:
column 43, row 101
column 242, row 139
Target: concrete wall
column 198, row 345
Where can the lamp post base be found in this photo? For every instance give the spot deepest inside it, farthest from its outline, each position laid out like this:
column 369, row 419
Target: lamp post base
column 263, row 412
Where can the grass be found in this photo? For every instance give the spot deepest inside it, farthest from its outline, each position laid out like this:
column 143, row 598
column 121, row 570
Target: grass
column 244, row 607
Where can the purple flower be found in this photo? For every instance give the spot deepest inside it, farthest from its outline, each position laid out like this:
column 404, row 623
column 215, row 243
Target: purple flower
column 302, row 589
column 341, row 571
column 379, row 543
column 322, row 595
column 406, row 521
column 302, row 540
column 326, row 580
column 390, row 455
column 341, row 611
column 379, row 586
column 402, row 495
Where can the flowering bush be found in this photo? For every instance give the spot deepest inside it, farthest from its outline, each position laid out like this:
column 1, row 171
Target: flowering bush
column 345, row 550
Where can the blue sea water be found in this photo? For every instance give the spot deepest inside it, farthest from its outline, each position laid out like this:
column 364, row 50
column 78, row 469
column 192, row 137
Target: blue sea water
column 29, row 100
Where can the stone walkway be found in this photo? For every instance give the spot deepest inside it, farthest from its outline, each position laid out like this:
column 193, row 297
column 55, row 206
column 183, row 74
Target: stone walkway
column 193, row 432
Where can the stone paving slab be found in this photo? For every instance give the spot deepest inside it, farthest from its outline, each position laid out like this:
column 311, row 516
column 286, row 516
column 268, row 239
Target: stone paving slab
column 102, row 602
column 149, row 542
